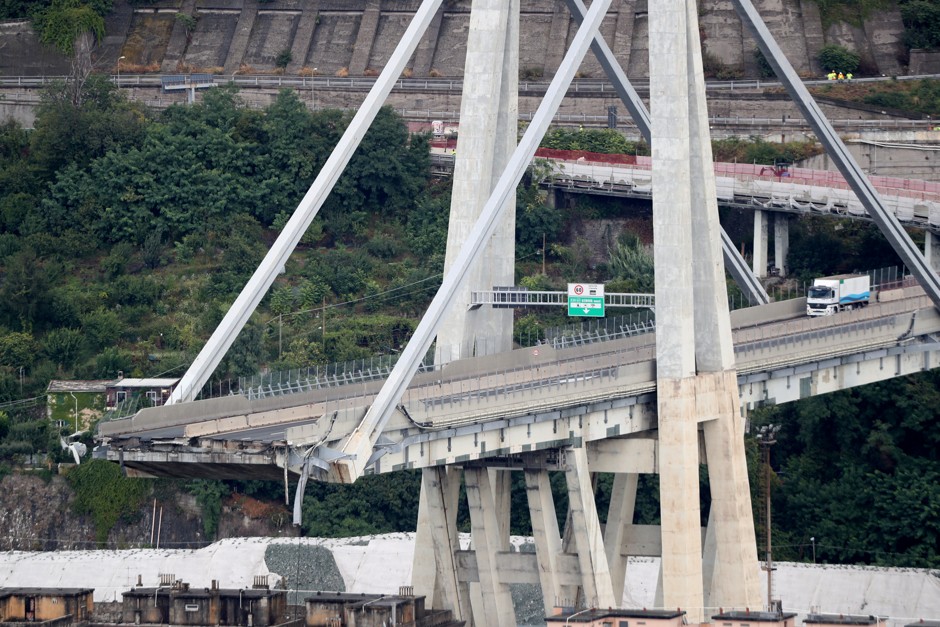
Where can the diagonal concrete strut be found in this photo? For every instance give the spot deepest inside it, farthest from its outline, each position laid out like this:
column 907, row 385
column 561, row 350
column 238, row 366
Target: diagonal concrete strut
column 888, row 223
column 273, row 263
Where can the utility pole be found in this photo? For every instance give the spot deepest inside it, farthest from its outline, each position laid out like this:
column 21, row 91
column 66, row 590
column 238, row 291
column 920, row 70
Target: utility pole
column 767, row 437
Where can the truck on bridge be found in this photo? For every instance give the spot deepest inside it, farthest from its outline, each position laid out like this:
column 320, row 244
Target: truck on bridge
column 831, row 294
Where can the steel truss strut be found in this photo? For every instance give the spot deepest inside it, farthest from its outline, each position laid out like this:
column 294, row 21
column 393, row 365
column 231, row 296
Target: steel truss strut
column 734, row 262
column 886, row 221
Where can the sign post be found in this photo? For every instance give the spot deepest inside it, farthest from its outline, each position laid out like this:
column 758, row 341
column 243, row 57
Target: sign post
column 586, row 300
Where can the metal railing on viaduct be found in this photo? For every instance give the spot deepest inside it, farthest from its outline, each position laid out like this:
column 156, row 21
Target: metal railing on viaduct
column 528, row 399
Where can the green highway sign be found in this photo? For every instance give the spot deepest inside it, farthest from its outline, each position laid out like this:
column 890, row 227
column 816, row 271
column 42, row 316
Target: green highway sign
column 586, row 300
column 586, row 306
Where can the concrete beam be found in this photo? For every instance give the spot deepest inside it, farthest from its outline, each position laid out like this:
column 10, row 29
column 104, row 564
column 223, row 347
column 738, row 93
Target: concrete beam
column 496, row 608
column 179, row 39
column 635, row 455
column 545, row 535
column 436, row 579
column 679, row 497
column 782, row 242
column 586, row 532
column 760, row 242
column 932, row 249
column 488, row 123
column 365, row 38
column 239, row 44
column 619, row 520
column 735, row 580
column 303, row 38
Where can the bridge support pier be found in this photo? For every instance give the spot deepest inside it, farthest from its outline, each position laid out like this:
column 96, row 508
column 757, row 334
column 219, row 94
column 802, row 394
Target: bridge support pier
column 932, row 250
column 761, row 236
column 762, row 241
column 696, row 380
column 488, row 499
column 781, row 242
column 596, row 583
column 434, row 571
column 488, row 128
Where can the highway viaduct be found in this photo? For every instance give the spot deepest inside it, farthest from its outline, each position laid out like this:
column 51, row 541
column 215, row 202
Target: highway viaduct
column 685, row 388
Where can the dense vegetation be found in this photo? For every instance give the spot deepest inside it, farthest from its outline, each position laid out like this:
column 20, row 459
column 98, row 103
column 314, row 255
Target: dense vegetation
column 125, row 234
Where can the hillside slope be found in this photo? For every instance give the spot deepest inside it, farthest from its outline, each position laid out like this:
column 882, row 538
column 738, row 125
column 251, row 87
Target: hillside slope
column 356, row 37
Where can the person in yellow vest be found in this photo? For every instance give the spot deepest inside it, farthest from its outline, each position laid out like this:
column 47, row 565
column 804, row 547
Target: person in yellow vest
column 831, row 76
column 848, row 76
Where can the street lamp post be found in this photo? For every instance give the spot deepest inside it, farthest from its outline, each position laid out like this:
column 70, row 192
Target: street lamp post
column 121, row 58
column 767, row 437
column 813, row 541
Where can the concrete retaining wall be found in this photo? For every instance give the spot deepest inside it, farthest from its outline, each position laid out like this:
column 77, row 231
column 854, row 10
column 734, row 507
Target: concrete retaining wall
column 358, row 36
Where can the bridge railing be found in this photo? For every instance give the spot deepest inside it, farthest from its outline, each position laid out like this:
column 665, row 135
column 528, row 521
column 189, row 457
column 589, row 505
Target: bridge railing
column 568, row 336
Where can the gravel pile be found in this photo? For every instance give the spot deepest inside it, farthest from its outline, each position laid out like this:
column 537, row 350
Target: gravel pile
column 305, row 568
column 528, row 604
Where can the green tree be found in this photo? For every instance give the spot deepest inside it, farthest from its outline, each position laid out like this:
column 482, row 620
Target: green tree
column 17, row 349
column 69, row 133
column 24, row 295
column 835, row 58
column 102, row 492
column 65, row 21
column 922, row 23
column 632, row 262
column 102, row 328
column 209, row 495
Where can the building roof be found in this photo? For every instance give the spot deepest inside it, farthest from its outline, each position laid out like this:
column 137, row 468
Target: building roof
column 192, row 592
column 587, row 616
column 58, row 386
column 757, row 617
column 924, row 623
column 47, row 592
column 143, row 383
column 349, row 598
column 841, row 619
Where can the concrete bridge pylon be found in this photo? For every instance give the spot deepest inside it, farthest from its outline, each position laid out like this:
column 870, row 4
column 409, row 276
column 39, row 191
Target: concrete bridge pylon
column 696, row 378
column 694, row 352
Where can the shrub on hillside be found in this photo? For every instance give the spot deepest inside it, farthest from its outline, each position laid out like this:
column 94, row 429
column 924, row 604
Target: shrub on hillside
column 834, row 58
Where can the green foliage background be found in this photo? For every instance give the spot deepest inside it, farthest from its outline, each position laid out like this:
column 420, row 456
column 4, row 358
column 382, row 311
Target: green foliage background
column 125, row 233
column 108, row 497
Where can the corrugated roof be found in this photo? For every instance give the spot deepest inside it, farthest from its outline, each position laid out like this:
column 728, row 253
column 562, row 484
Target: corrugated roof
column 143, row 383
column 98, row 385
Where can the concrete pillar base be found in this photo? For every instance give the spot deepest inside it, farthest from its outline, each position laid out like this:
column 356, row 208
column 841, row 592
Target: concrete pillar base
column 932, row 250
column 679, row 497
column 760, row 243
column 781, row 242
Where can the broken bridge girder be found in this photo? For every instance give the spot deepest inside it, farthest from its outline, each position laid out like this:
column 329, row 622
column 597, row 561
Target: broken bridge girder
column 887, row 222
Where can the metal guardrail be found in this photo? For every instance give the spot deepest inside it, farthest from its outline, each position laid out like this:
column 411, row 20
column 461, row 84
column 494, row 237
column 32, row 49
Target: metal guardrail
column 583, row 85
column 523, row 297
